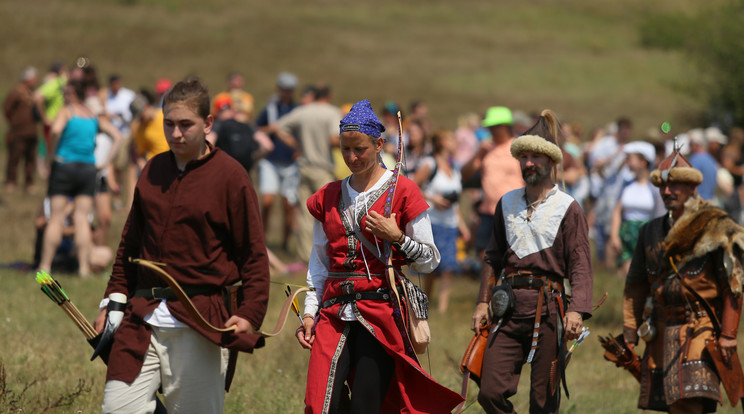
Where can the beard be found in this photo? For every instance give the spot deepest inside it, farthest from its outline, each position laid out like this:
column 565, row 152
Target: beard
column 534, row 175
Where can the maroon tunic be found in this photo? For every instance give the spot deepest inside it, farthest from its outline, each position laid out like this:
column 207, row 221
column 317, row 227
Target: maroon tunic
column 205, row 225
column 18, row 109
column 413, row 390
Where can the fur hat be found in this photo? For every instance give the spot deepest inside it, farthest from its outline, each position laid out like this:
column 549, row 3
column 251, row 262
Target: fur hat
column 676, row 169
column 541, row 138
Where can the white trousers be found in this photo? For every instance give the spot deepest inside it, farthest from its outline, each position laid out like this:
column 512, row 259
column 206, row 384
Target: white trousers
column 190, row 369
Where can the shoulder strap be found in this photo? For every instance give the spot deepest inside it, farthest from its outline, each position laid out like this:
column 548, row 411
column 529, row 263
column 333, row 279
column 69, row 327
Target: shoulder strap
column 703, row 302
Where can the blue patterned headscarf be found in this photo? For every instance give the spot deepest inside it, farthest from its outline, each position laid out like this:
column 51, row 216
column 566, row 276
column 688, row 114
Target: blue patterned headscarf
column 362, row 119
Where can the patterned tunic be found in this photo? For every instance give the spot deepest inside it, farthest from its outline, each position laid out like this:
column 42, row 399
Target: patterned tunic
column 675, row 364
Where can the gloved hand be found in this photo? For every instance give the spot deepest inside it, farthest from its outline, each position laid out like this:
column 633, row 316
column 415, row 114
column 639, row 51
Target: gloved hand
column 114, row 315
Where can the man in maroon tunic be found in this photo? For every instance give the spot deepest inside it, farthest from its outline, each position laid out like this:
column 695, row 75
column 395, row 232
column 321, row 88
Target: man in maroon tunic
column 196, row 211
column 540, row 239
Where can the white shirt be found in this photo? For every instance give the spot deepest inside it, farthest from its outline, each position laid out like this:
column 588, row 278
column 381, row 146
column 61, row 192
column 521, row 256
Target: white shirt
column 442, row 184
column 118, row 106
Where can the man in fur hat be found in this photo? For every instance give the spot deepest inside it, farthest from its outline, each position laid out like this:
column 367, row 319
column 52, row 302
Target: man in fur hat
column 687, row 263
column 539, row 241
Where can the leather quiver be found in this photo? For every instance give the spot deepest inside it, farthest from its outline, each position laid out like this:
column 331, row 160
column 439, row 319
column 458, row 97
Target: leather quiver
column 472, row 361
column 618, row 352
column 730, row 373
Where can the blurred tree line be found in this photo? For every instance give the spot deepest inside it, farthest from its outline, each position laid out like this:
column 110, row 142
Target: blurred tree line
column 712, row 38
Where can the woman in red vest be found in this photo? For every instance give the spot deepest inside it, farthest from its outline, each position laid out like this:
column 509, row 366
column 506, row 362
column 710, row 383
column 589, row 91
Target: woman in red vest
column 357, row 338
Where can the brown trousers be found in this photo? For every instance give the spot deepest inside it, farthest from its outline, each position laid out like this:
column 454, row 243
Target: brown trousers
column 505, row 355
column 21, row 148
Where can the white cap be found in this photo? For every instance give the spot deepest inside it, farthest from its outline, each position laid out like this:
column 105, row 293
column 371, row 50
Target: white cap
column 640, row 147
column 286, row 80
column 697, row 136
column 713, row 134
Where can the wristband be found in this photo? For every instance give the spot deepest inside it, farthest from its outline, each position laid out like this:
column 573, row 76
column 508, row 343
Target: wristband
column 401, row 238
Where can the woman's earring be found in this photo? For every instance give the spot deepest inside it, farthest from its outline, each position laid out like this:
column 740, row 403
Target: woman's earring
column 379, row 160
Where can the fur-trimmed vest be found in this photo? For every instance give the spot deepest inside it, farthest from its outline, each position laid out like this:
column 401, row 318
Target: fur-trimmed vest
column 702, row 229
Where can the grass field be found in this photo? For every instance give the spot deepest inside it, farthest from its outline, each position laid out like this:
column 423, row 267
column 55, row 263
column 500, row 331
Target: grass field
column 580, row 58
column 43, row 352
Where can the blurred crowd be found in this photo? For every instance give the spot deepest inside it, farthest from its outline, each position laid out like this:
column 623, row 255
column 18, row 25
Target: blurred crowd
column 87, row 138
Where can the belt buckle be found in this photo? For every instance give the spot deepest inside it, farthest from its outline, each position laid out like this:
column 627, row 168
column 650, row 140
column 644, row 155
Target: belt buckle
column 530, row 280
column 154, row 289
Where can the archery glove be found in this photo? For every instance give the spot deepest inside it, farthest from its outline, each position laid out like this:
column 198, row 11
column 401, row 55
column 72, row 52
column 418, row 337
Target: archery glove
column 114, row 315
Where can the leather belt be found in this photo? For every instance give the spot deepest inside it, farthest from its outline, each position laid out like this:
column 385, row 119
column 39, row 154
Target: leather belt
column 680, row 314
column 379, row 294
column 527, row 280
column 166, row 293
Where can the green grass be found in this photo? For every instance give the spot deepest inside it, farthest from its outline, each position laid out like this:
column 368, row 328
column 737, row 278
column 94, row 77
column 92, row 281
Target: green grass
column 42, row 346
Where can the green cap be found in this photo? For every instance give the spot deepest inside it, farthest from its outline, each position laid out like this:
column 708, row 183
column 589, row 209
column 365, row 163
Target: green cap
column 497, row 115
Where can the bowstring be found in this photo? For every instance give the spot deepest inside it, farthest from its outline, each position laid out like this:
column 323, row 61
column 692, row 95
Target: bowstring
column 402, row 164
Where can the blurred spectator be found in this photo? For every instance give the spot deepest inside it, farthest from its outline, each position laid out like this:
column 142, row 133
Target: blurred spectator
column 420, row 113
column 701, row 160
column 242, row 101
column 49, row 100
column 22, row 115
column 389, row 118
column 66, row 258
column 716, row 141
column 313, row 129
column 278, row 172
column 73, row 173
column 608, row 173
column 118, row 102
column 308, row 95
column 238, row 139
column 467, row 141
column 147, row 128
column 572, row 132
column 416, row 147
column 499, row 171
column 731, row 160
column 95, row 97
column 441, row 185
column 522, row 122
column 639, row 202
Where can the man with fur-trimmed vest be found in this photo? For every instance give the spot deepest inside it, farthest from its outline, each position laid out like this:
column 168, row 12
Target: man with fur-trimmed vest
column 687, row 265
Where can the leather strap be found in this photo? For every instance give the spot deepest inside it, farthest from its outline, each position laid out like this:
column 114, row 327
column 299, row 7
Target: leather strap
column 168, row 294
column 463, row 391
column 536, row 329
column 713, row 317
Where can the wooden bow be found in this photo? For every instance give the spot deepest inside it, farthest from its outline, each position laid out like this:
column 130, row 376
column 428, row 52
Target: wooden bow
column 284, row 313
column 194, row 313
